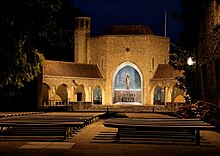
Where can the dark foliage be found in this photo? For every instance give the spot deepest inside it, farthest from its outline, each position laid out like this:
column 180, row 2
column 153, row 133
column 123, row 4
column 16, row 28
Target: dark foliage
column 30, row 30
column 188, row 47
column 205, row 111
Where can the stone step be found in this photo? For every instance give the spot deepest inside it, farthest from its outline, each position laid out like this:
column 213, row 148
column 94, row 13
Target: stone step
column 128, row 108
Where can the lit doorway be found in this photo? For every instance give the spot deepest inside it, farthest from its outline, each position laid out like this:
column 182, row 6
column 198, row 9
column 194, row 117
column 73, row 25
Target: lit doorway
column 97, row 95
column 159, row 96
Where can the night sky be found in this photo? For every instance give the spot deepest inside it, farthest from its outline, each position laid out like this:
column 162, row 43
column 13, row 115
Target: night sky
column 147, row 12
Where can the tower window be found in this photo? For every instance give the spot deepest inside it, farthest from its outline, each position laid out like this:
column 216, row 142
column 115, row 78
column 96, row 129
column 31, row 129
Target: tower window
column 87, row 24
column 81, row 23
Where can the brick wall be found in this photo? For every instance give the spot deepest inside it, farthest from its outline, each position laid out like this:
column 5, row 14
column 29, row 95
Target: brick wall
column 135, row 49
column 209, row 52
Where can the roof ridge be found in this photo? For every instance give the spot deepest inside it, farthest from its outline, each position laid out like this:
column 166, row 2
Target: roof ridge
column 128, row 29
column 55, row 61
column 166, row 71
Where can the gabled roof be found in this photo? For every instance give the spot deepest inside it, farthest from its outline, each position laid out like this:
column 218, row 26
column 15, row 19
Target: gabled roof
column 69, row 69
column 166, row 71
column 128, row 30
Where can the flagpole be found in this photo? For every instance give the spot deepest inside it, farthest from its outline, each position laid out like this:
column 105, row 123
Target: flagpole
column 165, row 24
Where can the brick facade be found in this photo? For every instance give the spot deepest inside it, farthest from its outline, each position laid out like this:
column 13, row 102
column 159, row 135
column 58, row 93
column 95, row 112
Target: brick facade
column 209, row 52
column 111, row 53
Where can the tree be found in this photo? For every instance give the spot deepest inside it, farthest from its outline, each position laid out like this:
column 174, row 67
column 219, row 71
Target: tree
column 30, row 31
column 187, row 47
column 187, row 82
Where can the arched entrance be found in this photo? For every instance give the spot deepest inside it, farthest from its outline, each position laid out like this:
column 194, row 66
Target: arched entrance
column 97, row 95
column 62, row 93
column 159, row 96
column 80, row 93
column 127, row 84
column 177, row 95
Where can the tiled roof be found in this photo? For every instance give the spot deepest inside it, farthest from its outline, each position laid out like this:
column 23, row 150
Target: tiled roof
column 69, row 69
column 128, row 30
column 166, row 71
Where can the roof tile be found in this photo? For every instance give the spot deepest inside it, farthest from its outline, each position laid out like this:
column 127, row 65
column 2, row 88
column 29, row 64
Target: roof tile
column 166, row 71
column 69, row 69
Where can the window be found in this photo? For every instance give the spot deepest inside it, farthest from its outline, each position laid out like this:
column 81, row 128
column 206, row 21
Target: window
column 159, row 96
column 87, row 24
column 102, row 63
column 81, row 23
column 152, row 63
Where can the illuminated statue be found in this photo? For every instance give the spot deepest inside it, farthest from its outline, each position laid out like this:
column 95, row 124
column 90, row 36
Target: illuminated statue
column 127, row 82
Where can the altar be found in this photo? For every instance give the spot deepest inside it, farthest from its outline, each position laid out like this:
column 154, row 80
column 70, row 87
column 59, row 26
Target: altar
column 127, row 96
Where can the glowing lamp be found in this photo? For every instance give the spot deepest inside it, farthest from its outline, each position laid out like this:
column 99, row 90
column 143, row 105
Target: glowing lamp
column 190, row 61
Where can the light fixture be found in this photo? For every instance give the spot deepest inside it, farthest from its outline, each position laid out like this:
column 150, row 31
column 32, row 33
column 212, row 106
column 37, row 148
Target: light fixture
column 190, row 61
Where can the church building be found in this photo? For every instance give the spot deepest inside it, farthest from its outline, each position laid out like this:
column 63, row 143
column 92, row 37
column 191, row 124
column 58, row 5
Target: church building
column 127, row 64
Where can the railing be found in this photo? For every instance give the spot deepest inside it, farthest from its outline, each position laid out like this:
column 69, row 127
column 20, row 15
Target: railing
column 75, row 105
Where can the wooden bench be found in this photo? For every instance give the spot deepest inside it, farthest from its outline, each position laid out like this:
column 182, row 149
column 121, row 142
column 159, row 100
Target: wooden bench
column 167, row 124
column 87, row 119
column 63, row 128
column 64, row 125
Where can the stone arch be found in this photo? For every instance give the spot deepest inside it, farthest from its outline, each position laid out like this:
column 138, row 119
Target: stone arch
column 177, row 95
column 179, row 99
column 127, row 88
column 62, row 93
column 159, row 95
column 45, row 93
column 80, row 93
column 97, row 95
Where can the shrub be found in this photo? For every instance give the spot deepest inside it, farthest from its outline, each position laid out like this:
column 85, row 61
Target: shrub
column 207, row 112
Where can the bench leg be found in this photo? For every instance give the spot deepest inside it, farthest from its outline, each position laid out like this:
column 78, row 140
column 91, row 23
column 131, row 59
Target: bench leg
column 66, row 135
column 118, row 135
column 192, row 132
column 197, row 137
column 71, row 131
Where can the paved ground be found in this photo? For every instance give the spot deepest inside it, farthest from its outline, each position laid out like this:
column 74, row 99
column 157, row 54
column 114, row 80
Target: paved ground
column 98, row 140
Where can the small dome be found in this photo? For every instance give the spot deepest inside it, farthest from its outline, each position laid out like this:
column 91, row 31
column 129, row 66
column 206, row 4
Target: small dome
column 128, row 30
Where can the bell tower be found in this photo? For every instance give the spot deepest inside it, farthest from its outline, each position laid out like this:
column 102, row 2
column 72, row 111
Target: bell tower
column 81, row 34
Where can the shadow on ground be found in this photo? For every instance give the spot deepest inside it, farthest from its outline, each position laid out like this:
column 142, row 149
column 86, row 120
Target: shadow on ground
column 156, row 138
